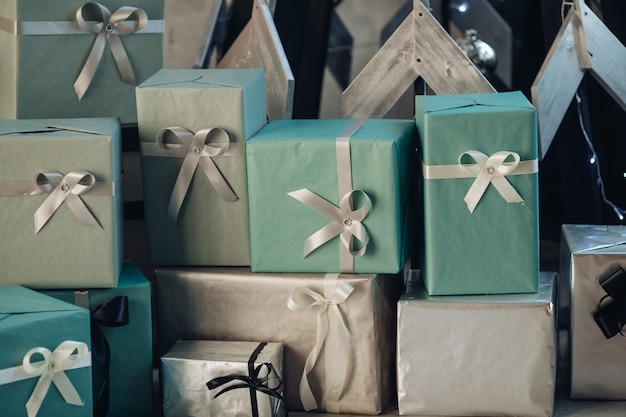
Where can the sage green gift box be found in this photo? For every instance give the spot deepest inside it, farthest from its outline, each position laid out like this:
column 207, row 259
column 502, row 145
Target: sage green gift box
column 64, row 253
column 30, row 320
column 495, row 248
column 207, row 229
column 291, row 155
column 43, row 51
column 130, row 369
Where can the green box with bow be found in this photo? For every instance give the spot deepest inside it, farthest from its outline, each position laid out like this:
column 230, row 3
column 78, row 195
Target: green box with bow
column 60, row 203
column 480, row 193
column 124, row 317
column 331, row 196
column 45, row 354
column 193, row 127
column 74, row 58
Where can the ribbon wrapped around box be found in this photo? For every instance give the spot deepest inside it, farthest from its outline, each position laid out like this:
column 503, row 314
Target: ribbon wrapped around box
column 593, row 290
column 477, row 355
column 61, row 203
column 193, row 125
column 331, row 196
column 45, row 358
column 127, row 331
column 351, row 316
column 479, row 194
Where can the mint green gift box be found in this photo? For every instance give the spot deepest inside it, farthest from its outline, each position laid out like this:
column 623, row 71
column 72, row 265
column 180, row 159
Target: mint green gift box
column 30, row 320
column 64, row 252
column 207, row 229
column 494, row 248
column 291, row 155
column 130, row 369
column 43, row 51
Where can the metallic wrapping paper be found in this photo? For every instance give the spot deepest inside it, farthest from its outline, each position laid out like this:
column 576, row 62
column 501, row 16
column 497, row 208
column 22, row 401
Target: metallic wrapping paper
column 477, row 355
column 236, row 304
column 597, row 364
column 190, row 364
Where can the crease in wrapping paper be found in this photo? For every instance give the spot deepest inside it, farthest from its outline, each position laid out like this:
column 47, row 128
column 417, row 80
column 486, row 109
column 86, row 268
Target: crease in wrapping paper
column 225, row 296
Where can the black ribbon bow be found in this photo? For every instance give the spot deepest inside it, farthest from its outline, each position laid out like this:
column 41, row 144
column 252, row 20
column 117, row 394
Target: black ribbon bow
column 253, row 381
column 611, row 315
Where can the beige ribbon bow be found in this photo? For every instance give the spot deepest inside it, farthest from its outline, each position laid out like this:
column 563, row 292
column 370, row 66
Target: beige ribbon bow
column 108, row 30
column 64, row 189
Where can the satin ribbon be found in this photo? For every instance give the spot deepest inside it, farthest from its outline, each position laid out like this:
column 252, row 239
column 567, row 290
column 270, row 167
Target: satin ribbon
column 254, row 382
column 346, row 220
column 486, row 170
column 197, row 150
column 332, row 334
column 68, row 355
column 64, row 189
column 108, row 31
column 611, row 316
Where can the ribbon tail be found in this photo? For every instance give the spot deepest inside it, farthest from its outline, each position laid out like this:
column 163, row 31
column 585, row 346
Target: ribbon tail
column 476, row 192
column 181, row 186
column 39, row 393
column 66, row 388
column 506, row 190
column 336, row 357
column 47, row 209
column 91, row 65
column 82, row 213
column 306, row 394
column 320, row 237
column 217, row 180
column 121, row 59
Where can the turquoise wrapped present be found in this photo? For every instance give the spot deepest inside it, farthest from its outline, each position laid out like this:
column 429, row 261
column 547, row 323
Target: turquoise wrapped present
column 193, row 125
column 60, row 203
column 480, row 193
column 45, row 358
column 124, row 317
column 331, row 196
column 73, row 58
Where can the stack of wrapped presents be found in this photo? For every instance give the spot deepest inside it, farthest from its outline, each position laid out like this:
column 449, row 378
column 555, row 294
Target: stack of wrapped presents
column 338, row 266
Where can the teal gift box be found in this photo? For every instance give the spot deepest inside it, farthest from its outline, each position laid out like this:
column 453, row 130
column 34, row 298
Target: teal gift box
column 60, row 203
column 480, row 193
column 130, row 344
column 46, row 46
column 193, row 125
column 45, row 354
column 331, row 196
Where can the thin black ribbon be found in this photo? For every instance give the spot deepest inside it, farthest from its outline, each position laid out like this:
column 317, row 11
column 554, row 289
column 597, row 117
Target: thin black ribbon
column 611, row 315
column 253, row 381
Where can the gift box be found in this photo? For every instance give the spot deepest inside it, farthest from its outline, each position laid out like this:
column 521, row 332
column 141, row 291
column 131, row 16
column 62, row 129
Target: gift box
column 45, row 358
column 234, row 304
column 60, row 203
column 481, row 355
column 480, row 193
column 593, row 290
column 72, row 58
column 344, row 203
column 123, row 320
column 193, row 125
column 203, row 378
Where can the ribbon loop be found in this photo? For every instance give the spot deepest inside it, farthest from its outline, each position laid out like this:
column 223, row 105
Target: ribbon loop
column 610, row 316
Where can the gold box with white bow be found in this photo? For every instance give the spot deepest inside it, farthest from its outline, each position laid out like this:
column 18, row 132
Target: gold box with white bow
column 74, row 58
column 60, row 203
column 480, row 193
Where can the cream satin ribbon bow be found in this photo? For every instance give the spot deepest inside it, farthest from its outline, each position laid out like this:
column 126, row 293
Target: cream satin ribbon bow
column 68, row 355
column 64, row 189
column 197, row 149
column 332, row 333
column 108, row 30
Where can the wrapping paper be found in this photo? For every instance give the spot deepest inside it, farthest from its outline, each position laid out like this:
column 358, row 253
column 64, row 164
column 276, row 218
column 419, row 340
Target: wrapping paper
column 236, row 304
column 130, row 369
column 37, row 72
column 598, row 363
column 190, row 364
column 289, row 156
column 209, row 230
column 495, row 248
column 477, row 355
column 29, row 320
column 64, row 253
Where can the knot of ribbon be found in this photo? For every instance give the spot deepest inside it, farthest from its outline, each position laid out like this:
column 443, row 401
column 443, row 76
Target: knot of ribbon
column 611, row 316
column 256, row 380
column 490, row 170
column 52, row 370
column 332, row 334
column 108, row 30
column 196, row 149
column 64, row 189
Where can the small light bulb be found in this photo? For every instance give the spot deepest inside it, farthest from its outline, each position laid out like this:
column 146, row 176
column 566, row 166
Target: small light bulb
column 463, row 7
column 624, row 174
column 620, row 216
column 592, row 160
